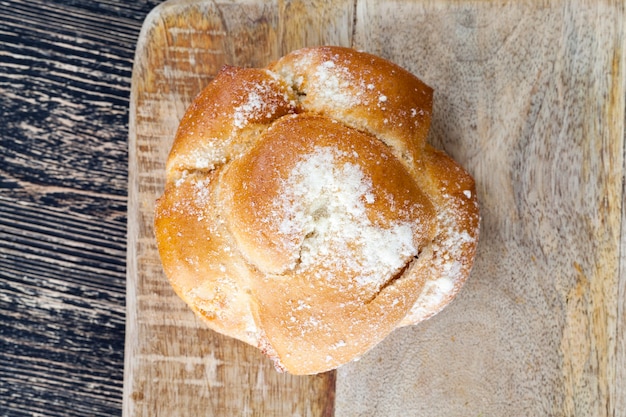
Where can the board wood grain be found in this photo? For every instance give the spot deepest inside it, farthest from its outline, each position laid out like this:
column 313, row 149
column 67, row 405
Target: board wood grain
column 530, row 99
column 175, row 365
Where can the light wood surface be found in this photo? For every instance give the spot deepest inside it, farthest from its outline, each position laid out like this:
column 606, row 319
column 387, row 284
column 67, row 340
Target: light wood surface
column 530, row 99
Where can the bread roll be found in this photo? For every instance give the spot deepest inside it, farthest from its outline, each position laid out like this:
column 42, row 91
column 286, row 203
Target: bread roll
column 305, row 214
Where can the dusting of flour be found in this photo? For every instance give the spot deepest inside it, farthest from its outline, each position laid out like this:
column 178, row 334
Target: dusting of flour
column 447, row 263
column 324, row 201
column 256, row 104
column 334, row 84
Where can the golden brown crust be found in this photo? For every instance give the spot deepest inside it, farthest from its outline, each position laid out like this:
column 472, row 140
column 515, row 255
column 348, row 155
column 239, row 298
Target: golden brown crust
column 304, row 212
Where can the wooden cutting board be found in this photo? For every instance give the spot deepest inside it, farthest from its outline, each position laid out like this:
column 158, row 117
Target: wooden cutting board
column 530, row 99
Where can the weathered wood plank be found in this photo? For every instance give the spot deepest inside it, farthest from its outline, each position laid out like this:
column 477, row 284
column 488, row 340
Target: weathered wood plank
column 65, row 71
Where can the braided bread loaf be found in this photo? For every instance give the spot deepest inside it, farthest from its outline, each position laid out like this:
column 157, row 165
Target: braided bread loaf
column 305, row 214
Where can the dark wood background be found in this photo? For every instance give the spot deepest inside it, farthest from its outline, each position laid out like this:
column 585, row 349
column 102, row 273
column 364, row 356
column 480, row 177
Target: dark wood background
column 65, row 71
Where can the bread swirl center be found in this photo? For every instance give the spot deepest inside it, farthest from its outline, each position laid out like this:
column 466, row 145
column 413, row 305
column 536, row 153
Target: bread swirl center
column 312, row 199
column 324, row 201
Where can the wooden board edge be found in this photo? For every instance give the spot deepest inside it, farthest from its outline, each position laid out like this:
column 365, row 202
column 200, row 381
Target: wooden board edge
column 619, row 387
column 133, row 212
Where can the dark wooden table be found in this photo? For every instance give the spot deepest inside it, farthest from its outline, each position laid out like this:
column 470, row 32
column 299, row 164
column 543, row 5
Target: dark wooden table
column 65, row 71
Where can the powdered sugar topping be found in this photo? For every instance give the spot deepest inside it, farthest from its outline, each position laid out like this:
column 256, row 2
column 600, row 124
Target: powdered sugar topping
column 447, row 261
column 256, row 104
column 324, row 201
column 333, row 83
